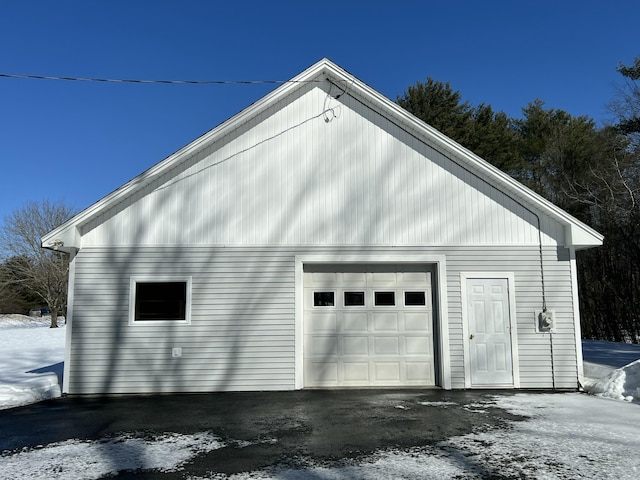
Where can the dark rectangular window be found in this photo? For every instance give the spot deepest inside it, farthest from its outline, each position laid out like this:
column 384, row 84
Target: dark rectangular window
column 385, row 298
column 353, row 299
column 414, row 298
column 161, row 301
column 323, row 299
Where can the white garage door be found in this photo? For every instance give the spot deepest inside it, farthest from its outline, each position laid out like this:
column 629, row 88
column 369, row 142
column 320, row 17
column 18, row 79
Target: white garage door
column 368, row 325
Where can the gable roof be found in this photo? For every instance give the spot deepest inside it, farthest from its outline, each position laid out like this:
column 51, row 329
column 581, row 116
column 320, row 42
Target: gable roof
column 579, row 235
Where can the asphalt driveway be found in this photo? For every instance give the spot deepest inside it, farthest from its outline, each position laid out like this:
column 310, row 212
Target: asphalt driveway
column 264, row 428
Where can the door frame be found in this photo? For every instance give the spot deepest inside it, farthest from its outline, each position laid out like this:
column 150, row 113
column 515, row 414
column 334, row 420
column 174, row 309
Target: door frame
column 440, row 307
column 513, row 330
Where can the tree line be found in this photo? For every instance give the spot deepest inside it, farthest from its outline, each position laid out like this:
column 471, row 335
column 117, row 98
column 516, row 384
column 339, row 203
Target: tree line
column 591, row 171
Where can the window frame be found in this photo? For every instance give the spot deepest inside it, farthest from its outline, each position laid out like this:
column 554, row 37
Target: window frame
column 423, row 305
column 364, row 298
column 134, row 280
column 313, row 298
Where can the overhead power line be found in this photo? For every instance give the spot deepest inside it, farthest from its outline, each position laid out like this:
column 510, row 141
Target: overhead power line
column 166, row 82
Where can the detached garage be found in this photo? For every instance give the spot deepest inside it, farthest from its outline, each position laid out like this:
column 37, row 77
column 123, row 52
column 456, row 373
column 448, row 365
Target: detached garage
column 321, row 238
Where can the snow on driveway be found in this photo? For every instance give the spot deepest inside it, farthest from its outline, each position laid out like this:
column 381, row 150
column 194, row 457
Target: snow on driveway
column 85, row 460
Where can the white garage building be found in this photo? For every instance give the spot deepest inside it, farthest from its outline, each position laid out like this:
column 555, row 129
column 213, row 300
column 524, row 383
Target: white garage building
column 323, row 237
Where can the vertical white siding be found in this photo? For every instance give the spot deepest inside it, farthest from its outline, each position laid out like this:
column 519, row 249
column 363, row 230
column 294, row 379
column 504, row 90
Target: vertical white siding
column 290, row 177
column 242, row 331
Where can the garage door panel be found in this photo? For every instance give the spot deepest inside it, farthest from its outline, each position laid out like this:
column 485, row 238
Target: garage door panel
column 387, row 372
column 356, row 372
column 324, row 278
column 355, row 346
column 322, row 373
column 321, row 346
column 418, row 346
column 385, row 322
column 354, row 278
column 419, row 372
column 355, row 322
column 417, row 277
column 322, row 323
column 386, row 346
column 417, row 322
column 383, row 279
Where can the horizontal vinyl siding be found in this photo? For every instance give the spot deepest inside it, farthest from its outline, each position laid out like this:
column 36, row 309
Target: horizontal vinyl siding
column 241, row 335
column 288, row 177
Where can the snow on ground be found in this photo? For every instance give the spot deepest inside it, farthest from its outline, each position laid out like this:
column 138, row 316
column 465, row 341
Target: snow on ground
column 31, row 361
column 613, row 354
column 567, row 436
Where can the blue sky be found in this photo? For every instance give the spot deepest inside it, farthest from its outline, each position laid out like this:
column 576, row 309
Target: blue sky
column 78, row 141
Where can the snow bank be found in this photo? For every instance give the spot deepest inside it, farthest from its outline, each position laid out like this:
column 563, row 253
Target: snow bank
column 612, row 369
column 32, row 359
column 621, row 384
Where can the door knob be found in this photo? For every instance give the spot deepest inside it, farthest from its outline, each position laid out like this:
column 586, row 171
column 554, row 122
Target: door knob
column 471, row 337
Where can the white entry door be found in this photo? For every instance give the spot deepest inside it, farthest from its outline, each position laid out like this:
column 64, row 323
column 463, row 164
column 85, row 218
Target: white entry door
column 489, row 332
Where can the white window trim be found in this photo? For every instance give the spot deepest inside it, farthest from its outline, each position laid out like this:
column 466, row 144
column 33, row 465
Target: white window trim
column 349, row 307
column 386, row 290
column 158, row 279
column 404, row 299
column 322, row 307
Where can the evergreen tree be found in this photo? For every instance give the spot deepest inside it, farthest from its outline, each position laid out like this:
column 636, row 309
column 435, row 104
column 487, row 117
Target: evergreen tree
column 627, row 105
column 480, row 129
column 440, row 106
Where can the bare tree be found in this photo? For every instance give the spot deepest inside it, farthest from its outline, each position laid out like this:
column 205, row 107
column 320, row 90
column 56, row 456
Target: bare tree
column 42, row 272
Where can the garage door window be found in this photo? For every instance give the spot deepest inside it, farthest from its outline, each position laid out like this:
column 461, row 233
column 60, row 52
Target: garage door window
column 385, row 299
column 354, row 299
column 414, row 299
column 324, row 299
